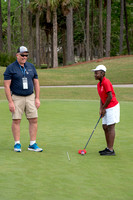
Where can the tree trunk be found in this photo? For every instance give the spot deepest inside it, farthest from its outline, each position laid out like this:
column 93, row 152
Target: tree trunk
column 108, row 28
column 31, row 52
column 48, row 12
column 55, row 53
column 87, row 31
column 48, row 45
column 126, row 25
column 48, row 58
column 121, row 26
column 9, row 28
column 100, row 30
column 70, row 45
column 1, row 44
column 22, row 24
column 64, row 46
column 37, row 40
column 92, row 31
column 52, row 48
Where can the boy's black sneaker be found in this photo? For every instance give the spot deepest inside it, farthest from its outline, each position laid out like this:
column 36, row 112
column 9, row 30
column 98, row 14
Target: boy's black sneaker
column 103, row 150
column 107, row 152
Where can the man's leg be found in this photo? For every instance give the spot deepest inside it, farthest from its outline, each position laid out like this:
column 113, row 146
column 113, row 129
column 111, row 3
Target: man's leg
column 33, row 133
column 33, row 128
column 16, row 134
column 16, row 129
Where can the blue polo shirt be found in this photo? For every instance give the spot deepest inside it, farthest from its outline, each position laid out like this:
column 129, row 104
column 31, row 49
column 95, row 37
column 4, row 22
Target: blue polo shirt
column 14, row 72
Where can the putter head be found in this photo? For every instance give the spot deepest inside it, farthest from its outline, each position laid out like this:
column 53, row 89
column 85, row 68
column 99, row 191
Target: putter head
column 82, row 152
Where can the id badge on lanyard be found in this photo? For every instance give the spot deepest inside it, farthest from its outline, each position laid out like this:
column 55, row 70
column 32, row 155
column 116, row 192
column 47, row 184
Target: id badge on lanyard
column 25, row 83
column 24, row 79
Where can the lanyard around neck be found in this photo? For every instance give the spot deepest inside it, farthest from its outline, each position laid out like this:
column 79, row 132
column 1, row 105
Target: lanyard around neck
column 22, row 69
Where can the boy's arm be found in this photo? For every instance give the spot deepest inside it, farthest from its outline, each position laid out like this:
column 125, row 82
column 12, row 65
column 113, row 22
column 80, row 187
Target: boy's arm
column 103, row 106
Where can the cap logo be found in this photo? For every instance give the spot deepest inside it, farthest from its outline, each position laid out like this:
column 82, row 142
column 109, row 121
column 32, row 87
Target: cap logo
column 22, row 49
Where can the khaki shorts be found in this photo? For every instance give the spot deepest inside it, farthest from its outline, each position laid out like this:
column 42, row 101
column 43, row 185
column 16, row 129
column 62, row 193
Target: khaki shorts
column 24, row 104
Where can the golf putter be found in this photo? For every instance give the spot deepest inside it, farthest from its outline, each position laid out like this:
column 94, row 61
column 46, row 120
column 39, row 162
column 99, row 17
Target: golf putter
column 82, row 152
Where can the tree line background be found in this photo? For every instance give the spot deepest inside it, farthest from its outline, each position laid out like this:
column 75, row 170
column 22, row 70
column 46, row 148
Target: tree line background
column 62, row 32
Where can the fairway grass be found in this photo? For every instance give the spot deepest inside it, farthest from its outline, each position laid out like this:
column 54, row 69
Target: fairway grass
column 65, row 126
column 122, row 94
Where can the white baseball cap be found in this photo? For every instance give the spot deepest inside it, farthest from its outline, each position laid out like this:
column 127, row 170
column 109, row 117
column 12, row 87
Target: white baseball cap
column 99, row 67
column 22, row 49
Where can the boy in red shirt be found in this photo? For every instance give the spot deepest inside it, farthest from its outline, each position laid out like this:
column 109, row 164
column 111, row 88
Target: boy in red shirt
column 109, row 108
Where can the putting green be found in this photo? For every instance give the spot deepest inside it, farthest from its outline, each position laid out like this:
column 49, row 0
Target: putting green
column 65, row 126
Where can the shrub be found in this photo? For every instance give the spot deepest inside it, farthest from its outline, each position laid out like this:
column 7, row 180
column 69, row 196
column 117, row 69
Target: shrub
column 6, row 59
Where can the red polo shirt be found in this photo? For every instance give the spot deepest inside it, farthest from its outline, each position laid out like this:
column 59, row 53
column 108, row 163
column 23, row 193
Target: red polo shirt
column 103, row 89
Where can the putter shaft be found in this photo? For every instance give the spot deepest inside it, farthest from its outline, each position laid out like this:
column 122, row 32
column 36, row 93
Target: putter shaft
column 92, row 132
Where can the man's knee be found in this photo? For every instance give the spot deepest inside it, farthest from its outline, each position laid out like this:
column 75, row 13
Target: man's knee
column 16, row 121
column 33, row 120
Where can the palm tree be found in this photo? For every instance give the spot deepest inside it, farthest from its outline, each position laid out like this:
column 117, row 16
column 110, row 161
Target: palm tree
column 30, row 35
column 22, row 24
column 67, row 7
column 1, row 45
column 37, row 38
column 9, row 27
column 92, row 30
column 36, row 6
column 108, row 28
column 121, row 26
column 126, row 26
column 53, row 7
column 70, row 44
column 55, row 45
column 51, row 10
column 87, row 30
column 100, row 30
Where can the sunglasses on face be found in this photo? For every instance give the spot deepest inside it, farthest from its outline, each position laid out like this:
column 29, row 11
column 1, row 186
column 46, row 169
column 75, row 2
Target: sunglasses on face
column 22, row 55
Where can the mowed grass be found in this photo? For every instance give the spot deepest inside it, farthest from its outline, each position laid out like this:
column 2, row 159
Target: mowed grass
column 67, row 117
column 122, row 94
column 119, row 71
column 65, row 126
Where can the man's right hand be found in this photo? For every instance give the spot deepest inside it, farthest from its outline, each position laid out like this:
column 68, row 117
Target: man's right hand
column 11, row 107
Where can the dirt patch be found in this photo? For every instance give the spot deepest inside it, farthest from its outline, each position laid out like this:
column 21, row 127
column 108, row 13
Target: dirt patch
column 97, row 60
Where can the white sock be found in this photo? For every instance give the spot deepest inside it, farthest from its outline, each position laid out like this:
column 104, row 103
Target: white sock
column 32, row 142
column 17, row 142
column 110, row 150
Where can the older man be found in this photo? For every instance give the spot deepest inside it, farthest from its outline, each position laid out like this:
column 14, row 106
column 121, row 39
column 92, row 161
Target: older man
column 20, row 82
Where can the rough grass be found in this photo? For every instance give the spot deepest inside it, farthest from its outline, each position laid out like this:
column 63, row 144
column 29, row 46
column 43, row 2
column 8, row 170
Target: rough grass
column 119, row 71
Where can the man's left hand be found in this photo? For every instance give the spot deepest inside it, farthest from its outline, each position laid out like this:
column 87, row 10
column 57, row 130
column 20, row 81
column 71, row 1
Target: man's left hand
column 37, row 103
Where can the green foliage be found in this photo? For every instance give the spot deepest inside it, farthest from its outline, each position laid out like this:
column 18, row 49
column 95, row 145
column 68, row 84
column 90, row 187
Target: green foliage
column 60, row 58
column 15, row 20
column 6, row 59
column 79, row 22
